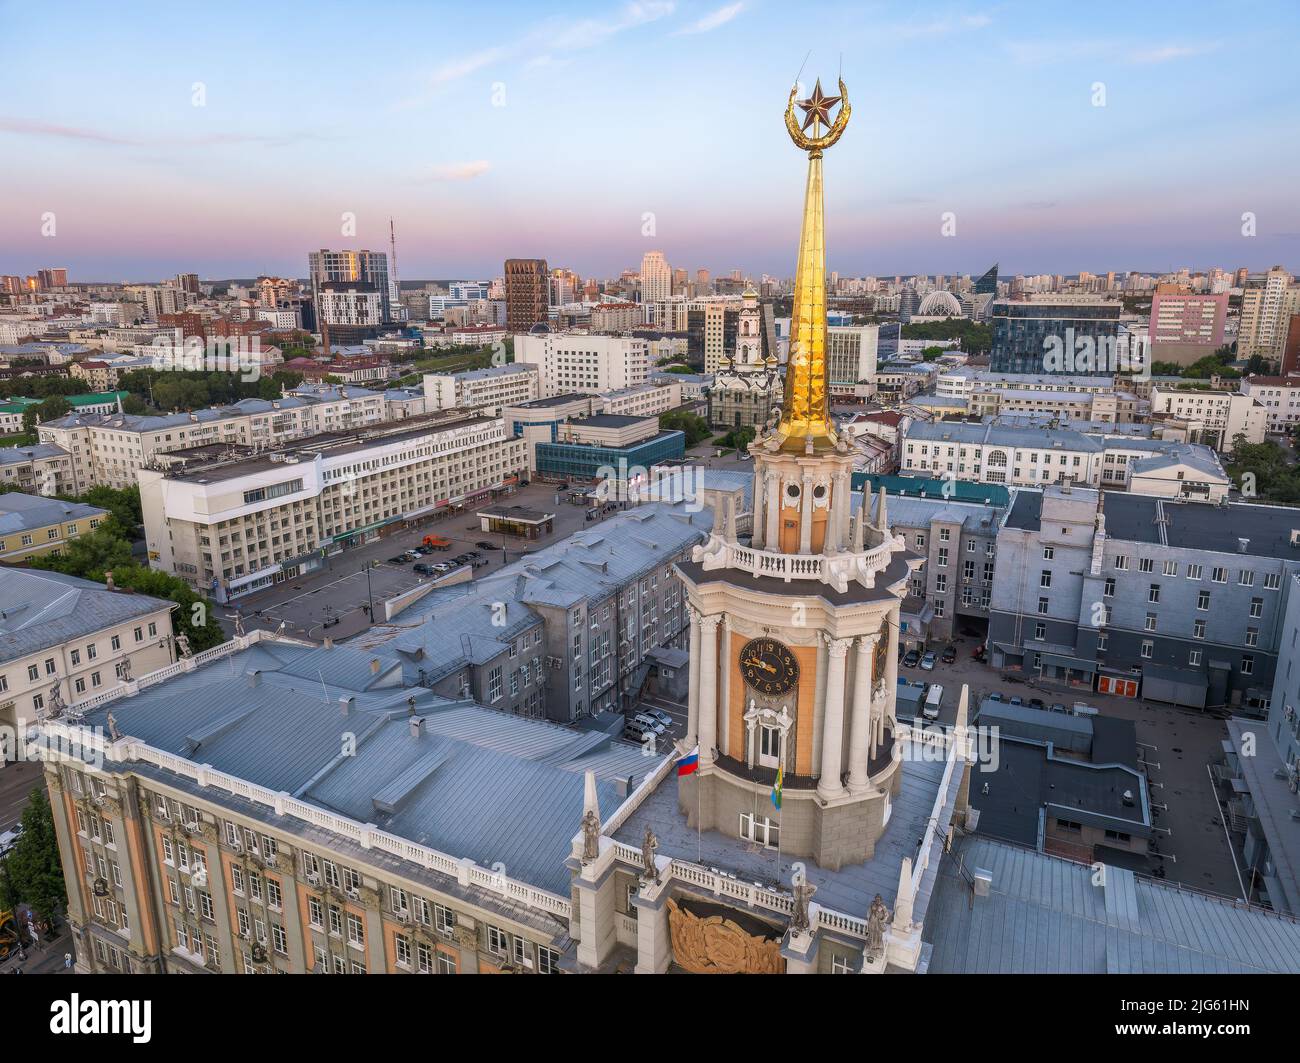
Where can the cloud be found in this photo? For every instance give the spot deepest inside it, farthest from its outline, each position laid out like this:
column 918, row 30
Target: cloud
column 1165, row 53
column 937, row 27
column 1038, row 53
column 467, row 65
column 540, row 45
column 712, row 21
column 63, row 132
column 458, row 171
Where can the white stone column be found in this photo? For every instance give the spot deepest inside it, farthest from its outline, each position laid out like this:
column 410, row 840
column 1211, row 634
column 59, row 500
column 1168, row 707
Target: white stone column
column 693, row 696
column 722, row 727
column 860, row 736
column 891, row 677
column 758, row 524
column 829, row 785
column 708, row 713
column 805, row 513
column 772, row 507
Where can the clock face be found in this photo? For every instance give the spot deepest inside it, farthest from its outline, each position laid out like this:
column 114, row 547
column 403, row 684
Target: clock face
column 769, row 666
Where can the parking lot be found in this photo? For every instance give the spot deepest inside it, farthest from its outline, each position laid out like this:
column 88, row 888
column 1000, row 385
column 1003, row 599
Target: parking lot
column 1174, row 746
column 332, row 601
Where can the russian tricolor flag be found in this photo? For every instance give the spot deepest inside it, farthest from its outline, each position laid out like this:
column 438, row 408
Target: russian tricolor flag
column 689, row 762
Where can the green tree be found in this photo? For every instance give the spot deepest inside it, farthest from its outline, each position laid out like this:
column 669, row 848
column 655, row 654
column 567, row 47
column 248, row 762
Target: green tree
column 740, row 438
column 695, row 428
column 53, row 407
column 103, row 550
column 123, row 503
column 34, row 868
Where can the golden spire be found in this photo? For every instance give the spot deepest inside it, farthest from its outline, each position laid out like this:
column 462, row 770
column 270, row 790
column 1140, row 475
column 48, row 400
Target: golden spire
column 805, row 408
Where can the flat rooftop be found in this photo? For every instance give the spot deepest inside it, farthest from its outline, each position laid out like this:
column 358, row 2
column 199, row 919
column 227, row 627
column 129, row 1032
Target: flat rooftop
column 326, row 444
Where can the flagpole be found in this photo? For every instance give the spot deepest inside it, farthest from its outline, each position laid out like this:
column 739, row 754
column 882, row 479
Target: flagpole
column 699, row 822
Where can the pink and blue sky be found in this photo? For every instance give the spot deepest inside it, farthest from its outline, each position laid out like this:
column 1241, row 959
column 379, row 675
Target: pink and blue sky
column 670, row 107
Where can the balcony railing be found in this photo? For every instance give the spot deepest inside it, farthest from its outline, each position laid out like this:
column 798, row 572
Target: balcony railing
column 838, row 570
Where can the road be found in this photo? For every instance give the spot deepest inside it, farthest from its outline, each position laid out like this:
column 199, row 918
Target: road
column 17, row 781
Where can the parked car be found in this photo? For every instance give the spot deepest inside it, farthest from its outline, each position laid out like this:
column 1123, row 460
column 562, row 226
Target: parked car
column 995, row 696
column 648, row 722
column 425, row 569
column 10, row 838
column 637, row 732
column 660, row 715
column 1037, row 703
column 911, row 659
column 400, row 559
column 480, row 563
column 423, row 550
column 483, row 544
column 472, row 554
column 1058, row 707
column 927, row 662
column 949, row 654
column 979, row 653
column 442, row 566
column 1015, row 699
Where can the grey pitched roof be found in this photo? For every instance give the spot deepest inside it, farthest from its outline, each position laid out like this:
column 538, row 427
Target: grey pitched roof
column 472, row 782
column 20, row 512
column 22, row 455
column 1046, row 915
column 44, row 609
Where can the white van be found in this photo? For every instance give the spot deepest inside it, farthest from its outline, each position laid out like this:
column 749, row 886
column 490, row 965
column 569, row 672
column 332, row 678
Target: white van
column 932, row 701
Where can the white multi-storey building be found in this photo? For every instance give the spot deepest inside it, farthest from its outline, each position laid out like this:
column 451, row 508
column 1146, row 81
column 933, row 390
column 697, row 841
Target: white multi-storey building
column 1280, row 397
column 1034, row 457
column 234, row 526
column 656, row 277
column 109, row 448
column 488, row 389
column 1214, row 417
column 570, row 361
column 851, row 359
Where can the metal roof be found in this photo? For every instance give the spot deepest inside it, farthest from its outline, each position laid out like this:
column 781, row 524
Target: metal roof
column 44, row 609
column 463, row 779
column 1047, row 915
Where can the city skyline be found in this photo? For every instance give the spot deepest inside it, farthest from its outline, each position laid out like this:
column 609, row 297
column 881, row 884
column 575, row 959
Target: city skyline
column 494, row 149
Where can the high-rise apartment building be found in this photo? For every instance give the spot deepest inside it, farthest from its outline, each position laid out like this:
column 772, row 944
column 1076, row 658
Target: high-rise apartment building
column 356, row 267
column 527, row 293
column 656, row 277
column 1267, row 303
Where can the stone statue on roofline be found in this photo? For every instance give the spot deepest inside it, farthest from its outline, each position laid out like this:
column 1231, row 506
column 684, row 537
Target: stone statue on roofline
column 183, row 644
column 648, row 846
column 803, row 892
column 590, row 836
column 876, row 918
